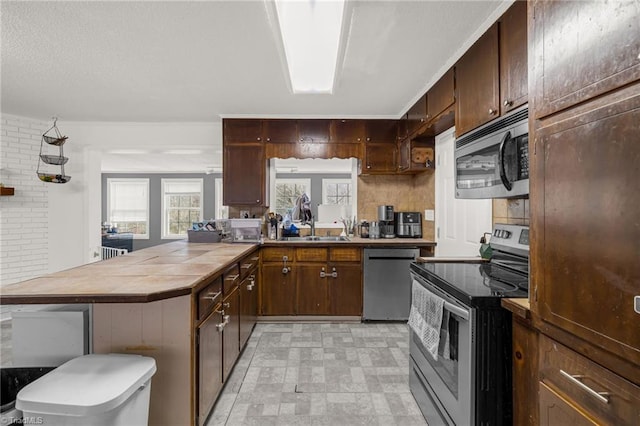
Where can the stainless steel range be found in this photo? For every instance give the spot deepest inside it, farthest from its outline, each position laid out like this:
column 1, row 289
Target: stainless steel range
column 468, row 382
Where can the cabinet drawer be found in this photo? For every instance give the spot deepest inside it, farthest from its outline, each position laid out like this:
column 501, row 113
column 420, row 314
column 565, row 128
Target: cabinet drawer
column 208, row 297
column 276, row 254
column 345, row 254
column 312, row 254
column 248, row 264
column 230, row 278
column 605, row 396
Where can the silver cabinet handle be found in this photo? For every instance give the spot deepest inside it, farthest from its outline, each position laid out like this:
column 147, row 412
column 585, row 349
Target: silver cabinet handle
column 226, row 305
column 323, row 274
column 334, row 273
column 286, row 270
column 507, row 103
column 232, row 277
column 212, row 296
column 575, row 378
column 225, row 321
column 492, row 111
column 246, row 265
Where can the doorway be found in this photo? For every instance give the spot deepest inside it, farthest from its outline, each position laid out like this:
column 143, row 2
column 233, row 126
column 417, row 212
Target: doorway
column 459, row 223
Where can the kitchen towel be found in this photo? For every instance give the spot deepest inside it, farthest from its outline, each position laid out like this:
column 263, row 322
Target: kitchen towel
column 425, row 317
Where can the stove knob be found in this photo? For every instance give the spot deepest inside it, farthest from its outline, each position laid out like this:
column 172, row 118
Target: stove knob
column 506, row 234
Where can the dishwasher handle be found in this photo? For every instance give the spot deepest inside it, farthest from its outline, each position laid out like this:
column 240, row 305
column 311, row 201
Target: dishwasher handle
column 391, row 258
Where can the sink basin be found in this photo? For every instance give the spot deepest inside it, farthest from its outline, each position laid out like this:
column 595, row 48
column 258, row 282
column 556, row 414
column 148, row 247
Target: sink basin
column 315, row 238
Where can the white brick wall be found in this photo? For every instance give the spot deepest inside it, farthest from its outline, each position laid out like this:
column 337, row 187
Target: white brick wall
column 24, row 226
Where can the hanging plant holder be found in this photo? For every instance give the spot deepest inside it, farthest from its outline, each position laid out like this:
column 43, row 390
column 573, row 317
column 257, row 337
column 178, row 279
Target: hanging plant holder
column 55, row 138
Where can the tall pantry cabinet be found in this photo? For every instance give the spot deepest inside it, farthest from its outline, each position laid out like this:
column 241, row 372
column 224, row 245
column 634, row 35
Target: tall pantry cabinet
column 584, row 86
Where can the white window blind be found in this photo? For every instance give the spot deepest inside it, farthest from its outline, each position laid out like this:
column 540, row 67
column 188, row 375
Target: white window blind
column 128, row 205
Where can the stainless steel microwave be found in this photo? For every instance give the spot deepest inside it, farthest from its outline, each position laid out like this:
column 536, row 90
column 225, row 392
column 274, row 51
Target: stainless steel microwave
column 493, row 160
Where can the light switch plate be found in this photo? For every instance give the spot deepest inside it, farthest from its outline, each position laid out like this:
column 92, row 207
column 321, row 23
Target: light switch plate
column 636, row 304
column 430, row 214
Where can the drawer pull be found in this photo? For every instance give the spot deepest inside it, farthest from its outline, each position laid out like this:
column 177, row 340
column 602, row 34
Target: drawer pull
column 246, row 265
column 212, row 296
column 232, row 277
column 575, row 378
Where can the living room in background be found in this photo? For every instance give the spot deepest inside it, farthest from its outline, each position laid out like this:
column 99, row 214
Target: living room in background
column 128, row 205
column 182, row 201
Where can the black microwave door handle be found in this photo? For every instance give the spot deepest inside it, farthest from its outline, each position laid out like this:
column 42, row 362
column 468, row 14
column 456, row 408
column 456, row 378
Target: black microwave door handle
column 503, row 174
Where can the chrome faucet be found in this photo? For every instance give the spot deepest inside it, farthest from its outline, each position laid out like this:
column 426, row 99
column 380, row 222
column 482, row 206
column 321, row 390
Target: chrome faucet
column 313, row 226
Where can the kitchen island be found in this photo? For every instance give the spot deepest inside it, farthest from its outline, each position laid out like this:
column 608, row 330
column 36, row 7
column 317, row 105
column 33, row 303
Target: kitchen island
column 189, row 306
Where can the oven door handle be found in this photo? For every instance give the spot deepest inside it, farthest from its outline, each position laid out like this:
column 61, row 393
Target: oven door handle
column 503, row 173
column 456, row 311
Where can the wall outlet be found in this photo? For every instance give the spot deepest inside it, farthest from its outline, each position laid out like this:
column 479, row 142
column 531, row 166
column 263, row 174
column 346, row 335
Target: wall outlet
column 244, row 214
column 430, row 215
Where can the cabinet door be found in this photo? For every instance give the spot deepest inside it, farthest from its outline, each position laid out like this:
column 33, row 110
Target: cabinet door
column 280, row 131
column 312, row 292
column 404, row 155
column 243, row 174
column 313, row 131
column 380, row 158
column 417, row 114
column 582, row 49
column 277, row 290
column 513, row 57
column 248, row 307
column 381, row 131
column 525, row 375
column 231, row 332
column 347, row 131
column 585, row 206
column 346, row 289
column 477, row 81
column 240, row 130
column 441, row 95
column 556, row 411
column 209, row 364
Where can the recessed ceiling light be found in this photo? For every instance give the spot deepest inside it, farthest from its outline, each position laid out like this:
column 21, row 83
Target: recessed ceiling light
column 311, row 32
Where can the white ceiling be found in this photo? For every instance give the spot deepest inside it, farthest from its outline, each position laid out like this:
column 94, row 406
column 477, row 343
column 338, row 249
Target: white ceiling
column 198, row 61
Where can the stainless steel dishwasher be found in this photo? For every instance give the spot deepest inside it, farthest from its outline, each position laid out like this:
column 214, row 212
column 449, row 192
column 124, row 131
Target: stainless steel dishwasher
column 387, row 283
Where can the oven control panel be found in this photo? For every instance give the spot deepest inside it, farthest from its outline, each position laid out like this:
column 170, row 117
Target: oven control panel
column 507, row 237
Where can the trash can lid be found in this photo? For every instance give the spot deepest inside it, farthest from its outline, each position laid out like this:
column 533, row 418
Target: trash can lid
column 87, row 385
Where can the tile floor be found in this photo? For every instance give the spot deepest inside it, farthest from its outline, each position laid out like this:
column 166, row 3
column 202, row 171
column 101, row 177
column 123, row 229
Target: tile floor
column 321, row 374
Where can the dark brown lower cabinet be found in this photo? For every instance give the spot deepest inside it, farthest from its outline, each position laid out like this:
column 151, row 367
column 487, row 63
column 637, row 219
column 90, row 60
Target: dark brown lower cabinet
column 346, row 289
column 230, row 332
column 312, row 289
column 248, row 306
column 209, row 363
column 525, row 373
column 278, row 289
column 557, row 411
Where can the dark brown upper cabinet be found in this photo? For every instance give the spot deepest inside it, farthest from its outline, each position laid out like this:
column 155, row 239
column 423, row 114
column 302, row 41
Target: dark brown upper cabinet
column 241, row 130
column 381, row 131
column 280, row 131
column 441, row 95
column 417, row 115
column 379, row 158
column 347, row 131
column 244, row 175
column 314, row 131
column 477, row 81
column 513, row 57
column 598, row 51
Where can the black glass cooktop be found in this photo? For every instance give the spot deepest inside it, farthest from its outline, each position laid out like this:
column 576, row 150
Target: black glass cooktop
column 474, row 284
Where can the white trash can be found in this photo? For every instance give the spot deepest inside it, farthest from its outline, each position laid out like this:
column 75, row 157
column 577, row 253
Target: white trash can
column 97, row 390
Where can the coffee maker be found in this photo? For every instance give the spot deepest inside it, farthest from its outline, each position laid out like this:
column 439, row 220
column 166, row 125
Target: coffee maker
column 386, row 221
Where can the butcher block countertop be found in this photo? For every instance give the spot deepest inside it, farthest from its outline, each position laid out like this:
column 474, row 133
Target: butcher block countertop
column 159, row 272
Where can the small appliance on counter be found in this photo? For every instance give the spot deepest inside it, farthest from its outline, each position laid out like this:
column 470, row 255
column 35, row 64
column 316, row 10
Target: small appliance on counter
column 386, row 222
column 245, row 230
column 408, row 224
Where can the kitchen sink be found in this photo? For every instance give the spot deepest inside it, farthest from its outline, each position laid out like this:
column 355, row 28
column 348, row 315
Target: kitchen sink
column 315, row 238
